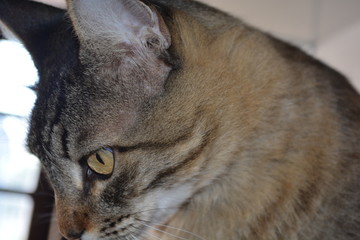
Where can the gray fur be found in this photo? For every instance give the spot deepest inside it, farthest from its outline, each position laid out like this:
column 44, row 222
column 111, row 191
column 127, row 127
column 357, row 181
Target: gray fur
column 219, row 131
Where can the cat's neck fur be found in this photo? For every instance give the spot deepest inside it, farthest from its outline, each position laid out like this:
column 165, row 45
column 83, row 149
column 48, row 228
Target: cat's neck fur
column 268, row 188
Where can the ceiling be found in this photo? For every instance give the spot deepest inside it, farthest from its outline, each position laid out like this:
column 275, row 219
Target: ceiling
column 304, row 20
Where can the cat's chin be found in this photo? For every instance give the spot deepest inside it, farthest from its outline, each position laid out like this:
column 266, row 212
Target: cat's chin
column 89, row 236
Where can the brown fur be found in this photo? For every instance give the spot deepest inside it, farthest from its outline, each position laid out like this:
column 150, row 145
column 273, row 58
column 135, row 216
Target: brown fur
column 283, row 156
column 219, row 131
column 279, row 156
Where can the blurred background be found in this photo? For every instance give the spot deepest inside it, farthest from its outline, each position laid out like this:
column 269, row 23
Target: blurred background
column 327, row 29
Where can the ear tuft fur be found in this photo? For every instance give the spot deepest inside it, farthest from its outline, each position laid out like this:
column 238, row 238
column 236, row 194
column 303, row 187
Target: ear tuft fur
column 127, row 23
column 129, row 39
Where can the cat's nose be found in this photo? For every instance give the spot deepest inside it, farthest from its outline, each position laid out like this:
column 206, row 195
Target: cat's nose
column 72, row 221
column 73, row 234
column 71, row 224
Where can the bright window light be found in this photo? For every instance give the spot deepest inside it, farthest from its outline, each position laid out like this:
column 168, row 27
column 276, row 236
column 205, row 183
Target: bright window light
column 19, row 171
column 17, row 73
column 15, row 216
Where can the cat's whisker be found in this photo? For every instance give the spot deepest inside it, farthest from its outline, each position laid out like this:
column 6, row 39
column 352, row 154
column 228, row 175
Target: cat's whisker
column 44, row 215
column 46, row 221
column 44, row 194
column 152, row 236
column 45, row 218
column 154, row 209
column 175, row 228
column 133, row 237
column 181, row 230
column 147, row 233
column 159, row 230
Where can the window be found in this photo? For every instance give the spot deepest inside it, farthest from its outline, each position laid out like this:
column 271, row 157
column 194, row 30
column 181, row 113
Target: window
column 19, row 171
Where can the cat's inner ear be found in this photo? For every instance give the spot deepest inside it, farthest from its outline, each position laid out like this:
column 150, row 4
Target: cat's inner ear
column 125, row 23
column 130, row 39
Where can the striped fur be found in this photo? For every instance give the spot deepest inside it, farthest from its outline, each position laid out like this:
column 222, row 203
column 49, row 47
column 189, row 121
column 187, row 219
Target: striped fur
column 223, row 133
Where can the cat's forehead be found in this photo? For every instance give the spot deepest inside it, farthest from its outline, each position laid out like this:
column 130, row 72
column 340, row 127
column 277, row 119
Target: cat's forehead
column 92, row 102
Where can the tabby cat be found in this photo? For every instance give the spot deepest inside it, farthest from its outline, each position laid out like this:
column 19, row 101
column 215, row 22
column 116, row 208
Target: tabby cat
column 159, row 119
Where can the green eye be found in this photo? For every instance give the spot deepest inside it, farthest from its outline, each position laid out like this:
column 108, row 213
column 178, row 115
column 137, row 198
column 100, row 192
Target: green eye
column 102, row 162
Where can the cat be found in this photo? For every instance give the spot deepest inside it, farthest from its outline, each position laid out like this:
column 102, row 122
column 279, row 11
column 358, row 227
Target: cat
column 164, row 120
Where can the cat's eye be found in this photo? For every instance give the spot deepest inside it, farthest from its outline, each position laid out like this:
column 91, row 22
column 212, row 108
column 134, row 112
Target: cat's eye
column 102, row 162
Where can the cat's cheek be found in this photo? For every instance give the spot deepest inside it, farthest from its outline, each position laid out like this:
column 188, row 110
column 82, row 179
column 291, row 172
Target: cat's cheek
column 77, row 177
column 97, row 189
column 168, row 201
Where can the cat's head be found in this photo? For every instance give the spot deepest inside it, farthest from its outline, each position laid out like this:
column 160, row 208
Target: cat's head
column 120, row 123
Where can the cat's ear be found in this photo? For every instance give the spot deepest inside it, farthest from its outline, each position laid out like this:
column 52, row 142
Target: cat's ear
column 35, row 25
column 132, row 39
column 125, row 23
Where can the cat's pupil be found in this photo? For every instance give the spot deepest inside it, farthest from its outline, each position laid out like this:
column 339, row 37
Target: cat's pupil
column 99, row 158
